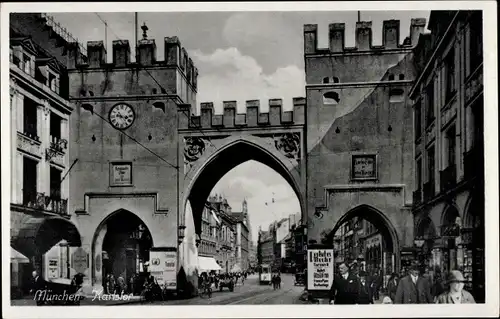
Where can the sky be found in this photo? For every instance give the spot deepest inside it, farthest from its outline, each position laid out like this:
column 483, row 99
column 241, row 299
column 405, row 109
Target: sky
column 240, row 56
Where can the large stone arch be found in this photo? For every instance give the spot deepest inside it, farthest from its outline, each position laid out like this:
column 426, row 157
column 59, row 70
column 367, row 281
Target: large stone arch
column 98, row 242
column 426, row 229
column 449, row 215
column 231, row 152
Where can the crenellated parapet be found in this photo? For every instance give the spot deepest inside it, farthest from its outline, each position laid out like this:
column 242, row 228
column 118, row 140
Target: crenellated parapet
column 253, row 117
column 174, row 56
column 363, row 37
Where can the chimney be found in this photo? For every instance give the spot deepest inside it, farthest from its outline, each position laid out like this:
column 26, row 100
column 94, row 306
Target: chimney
column 121, row 52
column 337, row 37
column 96, row 53
column 310, row 38
column 391, row 34
column 172, row 49
column 364, row 35
column 417, row 27
column 74, row 55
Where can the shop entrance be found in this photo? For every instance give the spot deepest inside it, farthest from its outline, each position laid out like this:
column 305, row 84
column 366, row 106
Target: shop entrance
column 126, row 242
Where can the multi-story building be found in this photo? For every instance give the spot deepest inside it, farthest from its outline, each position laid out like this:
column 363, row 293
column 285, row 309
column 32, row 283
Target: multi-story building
column 225, row 233
column 448, row 139
column 207, row 247
column 42, row 228
column 266, row 247
column 282, row 232
column 242, row 237
column 300, row 240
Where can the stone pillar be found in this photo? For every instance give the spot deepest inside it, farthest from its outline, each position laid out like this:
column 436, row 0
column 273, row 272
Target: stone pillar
column 97, row 259
column 469, row 129
column 44, row 132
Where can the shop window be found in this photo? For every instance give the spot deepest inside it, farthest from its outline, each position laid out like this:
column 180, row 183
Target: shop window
column 30, row 116
column 331, row 98
column 30, row 174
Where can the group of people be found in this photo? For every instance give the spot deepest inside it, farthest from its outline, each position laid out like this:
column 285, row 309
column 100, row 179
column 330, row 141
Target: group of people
column 351, row 288
column 118, row 285
column 208, row 280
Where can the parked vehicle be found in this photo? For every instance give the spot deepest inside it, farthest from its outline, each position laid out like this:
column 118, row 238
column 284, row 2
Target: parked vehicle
column 227, row 281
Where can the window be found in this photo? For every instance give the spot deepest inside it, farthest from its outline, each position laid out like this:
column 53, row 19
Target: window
column 450, row 142
column 326, row 80
column 30, row 115
column 55, row 127
column 331, row 98
column 55, row 183
column 26, row 64
column 30, row 173
column 450, row 74
column 401, row 76
column 418, row 177
column 430, row 165
column 475, row 42
column 53, row 83
column 418, row 119
column 391, row 77
column 429, row 117
column 335, row 79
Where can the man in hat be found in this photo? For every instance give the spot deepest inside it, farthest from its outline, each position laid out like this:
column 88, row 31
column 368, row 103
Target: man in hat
column 456, row 293
column 413, row 289
column 365, row 295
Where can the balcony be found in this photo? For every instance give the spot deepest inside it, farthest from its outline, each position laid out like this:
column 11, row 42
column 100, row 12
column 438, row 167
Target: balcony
column 448, row 178
column 40, row 201
column 29, row 143
column 417, row 196
column 429, row 190
column 58, row 144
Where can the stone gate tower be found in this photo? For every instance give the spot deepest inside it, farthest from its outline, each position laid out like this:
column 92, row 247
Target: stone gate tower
column 124, row 141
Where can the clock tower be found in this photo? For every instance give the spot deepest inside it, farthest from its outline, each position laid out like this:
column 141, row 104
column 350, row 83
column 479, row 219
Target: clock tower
column 124, row 138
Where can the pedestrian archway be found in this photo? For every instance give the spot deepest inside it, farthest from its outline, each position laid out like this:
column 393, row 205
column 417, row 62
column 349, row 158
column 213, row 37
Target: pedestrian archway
column 365, row 236
column 121, row 247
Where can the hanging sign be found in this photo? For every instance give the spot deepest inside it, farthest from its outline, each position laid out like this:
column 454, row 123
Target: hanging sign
column 320, row 266
column 163, row 267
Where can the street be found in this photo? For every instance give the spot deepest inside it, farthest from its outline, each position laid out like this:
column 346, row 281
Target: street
column 251, row 293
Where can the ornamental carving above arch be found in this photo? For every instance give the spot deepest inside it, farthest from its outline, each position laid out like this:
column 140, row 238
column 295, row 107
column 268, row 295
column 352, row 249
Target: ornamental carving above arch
column 288, row 144
column 194, row 147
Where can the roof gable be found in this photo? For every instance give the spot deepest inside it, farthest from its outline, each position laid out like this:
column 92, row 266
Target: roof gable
column 26, row 43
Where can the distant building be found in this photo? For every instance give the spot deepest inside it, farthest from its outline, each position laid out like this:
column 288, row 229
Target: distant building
column 242, row 235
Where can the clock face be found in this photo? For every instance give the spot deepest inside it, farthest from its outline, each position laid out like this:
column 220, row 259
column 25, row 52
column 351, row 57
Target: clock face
column 121, row 116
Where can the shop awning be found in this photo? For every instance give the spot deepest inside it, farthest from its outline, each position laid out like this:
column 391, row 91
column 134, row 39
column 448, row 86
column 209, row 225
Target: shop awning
column 17, row 257
column 36, row 235
column 207, row 264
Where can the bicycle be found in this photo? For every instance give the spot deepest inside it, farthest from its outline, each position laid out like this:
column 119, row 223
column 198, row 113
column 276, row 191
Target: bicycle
column 206, row 290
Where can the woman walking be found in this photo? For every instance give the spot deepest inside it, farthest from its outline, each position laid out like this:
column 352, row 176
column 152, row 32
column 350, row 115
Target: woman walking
column 455, row 293
column 392, row 286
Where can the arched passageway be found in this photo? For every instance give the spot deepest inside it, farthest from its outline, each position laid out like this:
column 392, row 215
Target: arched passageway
column 365, row 238
column 225, row 160
column 121, row 245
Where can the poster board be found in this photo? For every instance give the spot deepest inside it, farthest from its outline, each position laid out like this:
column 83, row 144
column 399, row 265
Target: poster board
column 163, row 266
column 320, row 270
column 53, row 268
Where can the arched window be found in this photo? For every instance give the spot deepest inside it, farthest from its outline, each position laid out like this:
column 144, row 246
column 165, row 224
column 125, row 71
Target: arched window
column 391, row 77
column 401, row 76
column 326, row 80
column 335, row 79
column 154, row 91
column 331, row 98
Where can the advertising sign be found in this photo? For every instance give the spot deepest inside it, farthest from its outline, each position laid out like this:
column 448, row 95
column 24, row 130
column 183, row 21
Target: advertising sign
column 163, row 266
column 320, row 266
column 53, row 268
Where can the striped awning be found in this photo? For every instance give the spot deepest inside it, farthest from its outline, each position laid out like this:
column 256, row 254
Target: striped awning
column 36, row 235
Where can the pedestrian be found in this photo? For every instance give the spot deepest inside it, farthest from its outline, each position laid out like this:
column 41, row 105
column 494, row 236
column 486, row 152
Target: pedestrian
column 392, row 286
column 365, row 295
column 121, row 284
column 345, row 287
column 278, row 280
column 112, row 284
column 413, row 289
column 456, row 294
column 377, row 284
column 439, row 286
column 39, row 285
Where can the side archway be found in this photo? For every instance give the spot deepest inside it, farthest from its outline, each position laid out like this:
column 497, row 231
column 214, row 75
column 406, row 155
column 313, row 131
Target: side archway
column 235, row 152
column 380, row 221
column 120, row 246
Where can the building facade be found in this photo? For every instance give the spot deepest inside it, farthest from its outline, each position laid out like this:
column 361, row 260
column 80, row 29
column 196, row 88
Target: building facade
column 448, row 111
column 358, row 98
column 242, row 252
column 42, row 226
